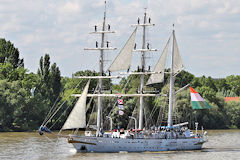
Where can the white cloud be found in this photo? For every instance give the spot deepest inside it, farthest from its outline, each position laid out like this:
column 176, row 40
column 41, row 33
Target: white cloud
column 70, row 7
column 208, row 29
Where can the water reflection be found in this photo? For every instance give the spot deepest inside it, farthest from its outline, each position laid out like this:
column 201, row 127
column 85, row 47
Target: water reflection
column 220, row 150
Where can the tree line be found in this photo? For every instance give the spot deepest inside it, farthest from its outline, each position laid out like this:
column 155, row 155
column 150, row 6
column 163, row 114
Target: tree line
column 26, row 97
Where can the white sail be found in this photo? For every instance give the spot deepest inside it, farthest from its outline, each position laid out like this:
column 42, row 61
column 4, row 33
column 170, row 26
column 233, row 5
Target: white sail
column 177, row 65
column 158, row 78
column 123, row 60
column 77, row 117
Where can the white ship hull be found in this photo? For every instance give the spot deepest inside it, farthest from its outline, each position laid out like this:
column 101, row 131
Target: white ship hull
column 103, row 144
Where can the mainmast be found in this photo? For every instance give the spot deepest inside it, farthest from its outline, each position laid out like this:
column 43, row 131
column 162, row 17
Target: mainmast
column 171, row 89
column 143, row 65
column 101, row 64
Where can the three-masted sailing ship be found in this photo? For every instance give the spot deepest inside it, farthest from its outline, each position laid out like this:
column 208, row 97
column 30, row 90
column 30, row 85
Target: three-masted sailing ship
column 170, row 137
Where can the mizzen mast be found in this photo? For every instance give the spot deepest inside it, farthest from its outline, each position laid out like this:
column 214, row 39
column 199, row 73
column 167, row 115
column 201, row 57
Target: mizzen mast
column 176, row 67
column 171, row 89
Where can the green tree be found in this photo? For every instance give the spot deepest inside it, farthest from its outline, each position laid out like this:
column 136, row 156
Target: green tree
column 8, row 53
column 183, row 78
column 50, row 80
column 234, row 83
column 55, row 76
column 233, row 113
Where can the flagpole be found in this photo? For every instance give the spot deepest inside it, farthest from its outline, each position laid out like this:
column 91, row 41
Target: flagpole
column 195, row 117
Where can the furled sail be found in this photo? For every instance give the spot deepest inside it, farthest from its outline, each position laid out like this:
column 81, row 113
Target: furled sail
column 77, row 117
column 177, row 65
column 159, row 77
column 123, row 60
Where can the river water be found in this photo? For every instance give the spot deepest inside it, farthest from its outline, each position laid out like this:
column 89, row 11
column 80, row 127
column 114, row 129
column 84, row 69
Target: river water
column 223, row 144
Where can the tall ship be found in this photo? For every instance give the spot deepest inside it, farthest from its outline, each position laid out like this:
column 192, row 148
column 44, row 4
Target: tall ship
column 170, row 137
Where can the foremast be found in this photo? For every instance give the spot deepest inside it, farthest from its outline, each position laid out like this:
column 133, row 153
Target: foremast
column 142, row 76
column 101, row 74
column 101, row 64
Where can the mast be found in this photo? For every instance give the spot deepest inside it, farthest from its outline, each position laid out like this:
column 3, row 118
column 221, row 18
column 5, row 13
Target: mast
column 143, row 70
column 101, row 64
column 171, row 90
column 101, row 74
column 143, row 50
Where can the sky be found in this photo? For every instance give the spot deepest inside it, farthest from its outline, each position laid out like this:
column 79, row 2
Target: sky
column 207, row 32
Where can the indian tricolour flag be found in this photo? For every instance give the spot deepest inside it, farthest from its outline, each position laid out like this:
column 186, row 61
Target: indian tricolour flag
column 197, row 101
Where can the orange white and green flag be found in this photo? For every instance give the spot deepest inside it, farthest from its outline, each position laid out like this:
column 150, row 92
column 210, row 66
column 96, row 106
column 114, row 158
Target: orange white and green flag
column 197, row 101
